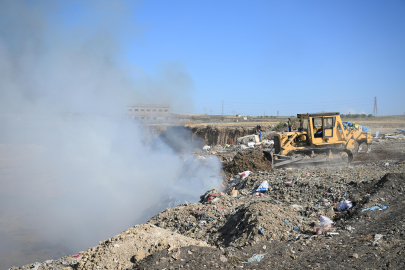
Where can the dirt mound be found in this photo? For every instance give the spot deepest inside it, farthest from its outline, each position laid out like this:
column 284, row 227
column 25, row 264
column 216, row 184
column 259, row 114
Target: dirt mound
column 233, row 221
column 123, row 250
column 253, row 160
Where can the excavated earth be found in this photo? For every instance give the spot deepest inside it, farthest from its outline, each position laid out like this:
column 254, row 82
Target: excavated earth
column 273, row 229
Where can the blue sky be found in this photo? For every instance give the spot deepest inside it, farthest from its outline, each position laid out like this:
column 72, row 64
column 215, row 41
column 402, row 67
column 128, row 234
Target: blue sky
column 290, row 56
column 256, row 56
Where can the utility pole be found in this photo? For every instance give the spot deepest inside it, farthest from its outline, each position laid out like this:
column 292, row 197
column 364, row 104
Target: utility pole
column 375, row 110
column 222, row 108
column 204, row 110
column 277, row 113
column 264, row 114
column 211, row 111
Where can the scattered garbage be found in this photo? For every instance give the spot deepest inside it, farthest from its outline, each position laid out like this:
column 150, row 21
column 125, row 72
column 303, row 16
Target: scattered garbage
column 267, row 143
column 344, row 205
column 206, row 147
column 255, row 258
column 289, row 184
column 398, row 136
column 375, row 208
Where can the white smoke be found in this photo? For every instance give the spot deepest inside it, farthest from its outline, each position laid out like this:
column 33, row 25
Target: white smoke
column 73, row 170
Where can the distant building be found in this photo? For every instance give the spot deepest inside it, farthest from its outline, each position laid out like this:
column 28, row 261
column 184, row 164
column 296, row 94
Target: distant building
column 148, row 112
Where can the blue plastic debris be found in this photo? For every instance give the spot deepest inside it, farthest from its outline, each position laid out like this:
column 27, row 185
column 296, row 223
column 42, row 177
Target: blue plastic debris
column 296, row 228
column 286, row 221
column 400, row 129
column 375, row 208
column 261, row 230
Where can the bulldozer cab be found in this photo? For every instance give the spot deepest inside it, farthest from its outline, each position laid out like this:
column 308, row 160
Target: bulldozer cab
column 321, row 128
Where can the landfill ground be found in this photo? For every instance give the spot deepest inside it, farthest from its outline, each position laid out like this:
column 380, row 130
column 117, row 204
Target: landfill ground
column 273, row 229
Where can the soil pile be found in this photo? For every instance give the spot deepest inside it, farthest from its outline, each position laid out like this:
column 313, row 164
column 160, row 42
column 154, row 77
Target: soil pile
column 253, row 160
column 121, row 251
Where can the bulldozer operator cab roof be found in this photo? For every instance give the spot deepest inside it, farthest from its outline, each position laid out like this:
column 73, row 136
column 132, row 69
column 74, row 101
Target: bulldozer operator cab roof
column 307, row 115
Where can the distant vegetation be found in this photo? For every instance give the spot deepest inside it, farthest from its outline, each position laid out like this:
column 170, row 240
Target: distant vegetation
column 356, row 115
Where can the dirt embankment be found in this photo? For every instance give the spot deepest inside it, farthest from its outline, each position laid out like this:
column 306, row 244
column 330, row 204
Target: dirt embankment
column 214, row 135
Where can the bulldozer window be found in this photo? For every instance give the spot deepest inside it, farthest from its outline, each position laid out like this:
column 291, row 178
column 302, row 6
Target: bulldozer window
column 304, row 123
column 328, row 124
column 318, row 122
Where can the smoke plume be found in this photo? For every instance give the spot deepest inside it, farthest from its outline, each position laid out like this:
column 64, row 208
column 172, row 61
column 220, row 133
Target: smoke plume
column 73, row 170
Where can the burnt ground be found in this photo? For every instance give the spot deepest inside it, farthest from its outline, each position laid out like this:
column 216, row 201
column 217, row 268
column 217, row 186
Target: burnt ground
column 373, row 239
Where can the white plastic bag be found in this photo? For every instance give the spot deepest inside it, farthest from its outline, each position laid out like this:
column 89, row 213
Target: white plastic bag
column 264, row 186
column 325, row 220
column 207, row 148
column 251, row 144
column 244, row 174
column 344, row 205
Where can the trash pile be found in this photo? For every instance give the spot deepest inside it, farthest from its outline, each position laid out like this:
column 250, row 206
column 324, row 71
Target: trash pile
column 347, row 124
column 295, row 202
column 223, row 220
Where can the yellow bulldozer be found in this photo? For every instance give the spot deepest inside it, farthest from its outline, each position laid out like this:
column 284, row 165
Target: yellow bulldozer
column 321, row 138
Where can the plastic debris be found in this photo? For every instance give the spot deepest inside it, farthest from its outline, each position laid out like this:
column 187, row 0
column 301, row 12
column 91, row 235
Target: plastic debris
column 325, row 220
column 255, row 258
column 375, row 208
column 347, row 124
column 324, row 225
column 296, row 228
column 264, row 186
column 244, row 174
column 344, row 205
column 206, row 147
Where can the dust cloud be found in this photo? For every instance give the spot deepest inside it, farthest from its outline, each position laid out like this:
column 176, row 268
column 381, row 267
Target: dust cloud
column 73, row 169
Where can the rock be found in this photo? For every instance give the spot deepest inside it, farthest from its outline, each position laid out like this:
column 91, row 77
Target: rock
column 139, row 256
column 355, row 255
